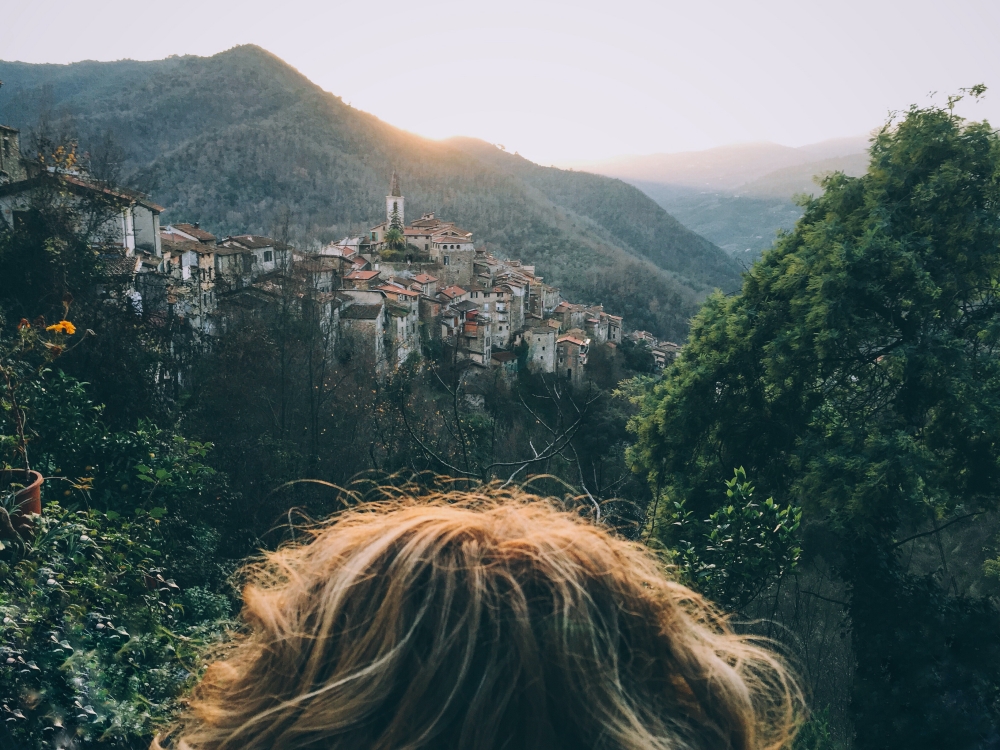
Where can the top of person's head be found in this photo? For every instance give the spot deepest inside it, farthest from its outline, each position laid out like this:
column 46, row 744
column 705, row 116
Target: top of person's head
column 481, row 624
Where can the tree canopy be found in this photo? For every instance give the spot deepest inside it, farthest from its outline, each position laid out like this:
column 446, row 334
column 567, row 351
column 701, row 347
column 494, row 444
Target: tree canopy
column 856, row 372
column 856, row 375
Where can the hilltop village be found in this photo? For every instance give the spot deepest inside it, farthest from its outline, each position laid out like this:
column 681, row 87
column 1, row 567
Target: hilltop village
column 393, row 290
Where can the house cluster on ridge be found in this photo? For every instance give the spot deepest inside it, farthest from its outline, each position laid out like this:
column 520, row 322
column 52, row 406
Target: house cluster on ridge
column 440, row 287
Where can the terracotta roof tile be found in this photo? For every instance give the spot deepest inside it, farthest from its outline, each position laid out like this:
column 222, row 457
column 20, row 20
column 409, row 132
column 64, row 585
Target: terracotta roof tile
column 196, row 232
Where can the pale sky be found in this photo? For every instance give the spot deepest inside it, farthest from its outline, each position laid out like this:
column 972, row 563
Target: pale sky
column 574, row 81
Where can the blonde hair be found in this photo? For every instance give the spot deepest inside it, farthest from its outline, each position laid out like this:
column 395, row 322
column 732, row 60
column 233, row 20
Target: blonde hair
column 479, row 623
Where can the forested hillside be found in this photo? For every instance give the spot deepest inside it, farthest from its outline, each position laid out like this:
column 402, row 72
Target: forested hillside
column 242, row 142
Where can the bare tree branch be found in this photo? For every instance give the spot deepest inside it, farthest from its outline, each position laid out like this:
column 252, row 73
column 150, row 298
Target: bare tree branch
column 824, row 598
column 430, row 452
column 939, row 528
column 579, row 468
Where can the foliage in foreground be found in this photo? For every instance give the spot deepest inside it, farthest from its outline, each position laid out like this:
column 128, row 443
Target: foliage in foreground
column 739, row 550
column 95, row 644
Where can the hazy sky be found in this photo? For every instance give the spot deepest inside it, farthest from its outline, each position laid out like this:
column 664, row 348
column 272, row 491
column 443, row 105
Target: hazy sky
column 574, row 81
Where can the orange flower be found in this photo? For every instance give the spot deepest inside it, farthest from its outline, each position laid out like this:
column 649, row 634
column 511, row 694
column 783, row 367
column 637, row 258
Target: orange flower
column 63, row 326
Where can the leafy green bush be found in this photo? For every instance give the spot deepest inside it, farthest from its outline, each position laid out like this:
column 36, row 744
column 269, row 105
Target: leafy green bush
column 740, row 549
column 142, row 469
column 95, row 644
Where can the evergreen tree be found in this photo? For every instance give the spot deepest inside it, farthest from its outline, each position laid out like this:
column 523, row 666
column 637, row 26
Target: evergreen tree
column 856, row 375
column 395, row 241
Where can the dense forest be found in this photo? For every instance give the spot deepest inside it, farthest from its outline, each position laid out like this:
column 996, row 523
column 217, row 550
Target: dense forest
column 241, row 141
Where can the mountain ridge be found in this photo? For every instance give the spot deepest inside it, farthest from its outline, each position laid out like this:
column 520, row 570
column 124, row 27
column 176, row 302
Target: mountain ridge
column 240, row 140
column 727, row 168
column 739, row 196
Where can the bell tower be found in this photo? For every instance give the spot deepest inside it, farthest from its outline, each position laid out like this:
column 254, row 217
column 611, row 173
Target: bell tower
column 394, row 201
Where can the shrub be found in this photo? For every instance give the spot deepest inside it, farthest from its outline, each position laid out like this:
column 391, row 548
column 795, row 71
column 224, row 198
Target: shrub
column 96, row 645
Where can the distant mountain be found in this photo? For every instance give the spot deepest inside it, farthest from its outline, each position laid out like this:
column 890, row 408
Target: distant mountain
column 726, row 167
column 803, row 178
column 744, row 226
column 241, row 140
column 612, row 208
column 739, row 196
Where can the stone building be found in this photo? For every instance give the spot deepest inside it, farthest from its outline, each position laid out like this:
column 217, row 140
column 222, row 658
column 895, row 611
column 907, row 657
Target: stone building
column 127, row 221
column 363, row 322
column 614, row 329
column 541, row 348
column 11, row 167
column 443, row 245
column 571, row 356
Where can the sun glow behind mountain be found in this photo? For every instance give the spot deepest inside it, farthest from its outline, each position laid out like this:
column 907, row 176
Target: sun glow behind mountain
column 568, row 84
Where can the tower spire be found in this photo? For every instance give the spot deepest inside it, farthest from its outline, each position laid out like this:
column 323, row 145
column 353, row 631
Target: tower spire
column 394, row 185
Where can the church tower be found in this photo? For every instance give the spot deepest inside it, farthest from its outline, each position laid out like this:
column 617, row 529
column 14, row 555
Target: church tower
column 394, row 201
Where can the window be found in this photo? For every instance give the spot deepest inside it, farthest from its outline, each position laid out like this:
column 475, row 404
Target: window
column 427, row 246
column 446, row 260
column 268, row 256
column 374, row 237
column 569, row 373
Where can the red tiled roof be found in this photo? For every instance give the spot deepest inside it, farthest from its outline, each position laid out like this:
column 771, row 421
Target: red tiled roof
column 117, row 265
column 391, row 289
column 453, row 291
column 424, row 278
column 254, row 241
column 180, row 245
column 125, row 195
column 361, row 312
column 572, row 340
column 76, row 182
column 196, row 232
column 430, row 223
column 362, row 275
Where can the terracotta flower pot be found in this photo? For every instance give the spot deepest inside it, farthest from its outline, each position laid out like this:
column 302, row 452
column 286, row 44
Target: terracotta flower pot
column 29, row 500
